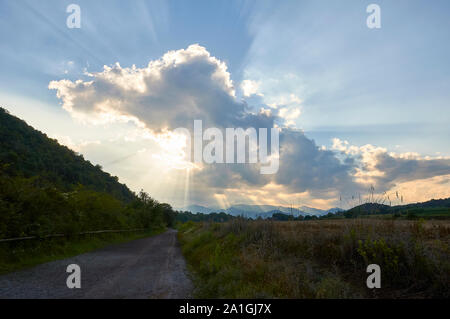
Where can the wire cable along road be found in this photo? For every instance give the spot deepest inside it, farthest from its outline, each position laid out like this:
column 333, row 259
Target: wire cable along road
column 145, row 268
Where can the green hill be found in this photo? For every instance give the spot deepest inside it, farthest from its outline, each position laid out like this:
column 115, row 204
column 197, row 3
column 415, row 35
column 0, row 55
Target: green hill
column 436, row 208
column 27, row 152
column 46, row 188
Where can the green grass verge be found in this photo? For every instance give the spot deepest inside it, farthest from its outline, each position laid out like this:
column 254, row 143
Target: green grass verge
column 24, row 254
column 212, row 261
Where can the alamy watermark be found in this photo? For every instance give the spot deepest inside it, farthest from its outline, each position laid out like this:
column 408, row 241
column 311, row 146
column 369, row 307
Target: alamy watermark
column 74, row 19
column 374, row 279
column 74, row 279
column 374, row 19
column 213, row 151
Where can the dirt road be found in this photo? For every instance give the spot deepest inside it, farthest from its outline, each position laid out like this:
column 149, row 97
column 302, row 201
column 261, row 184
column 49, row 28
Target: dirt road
column 145, row 268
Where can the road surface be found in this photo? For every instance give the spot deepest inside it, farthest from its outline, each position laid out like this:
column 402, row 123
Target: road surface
column 145, row 268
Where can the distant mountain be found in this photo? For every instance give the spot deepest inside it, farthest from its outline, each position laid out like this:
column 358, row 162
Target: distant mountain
column 312, row 210
column 200, row 209
column 334, row 210
column 268, row 211
column 262, row 211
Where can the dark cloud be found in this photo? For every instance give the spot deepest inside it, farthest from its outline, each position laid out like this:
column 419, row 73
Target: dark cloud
column 306, row 167
column 397, row 169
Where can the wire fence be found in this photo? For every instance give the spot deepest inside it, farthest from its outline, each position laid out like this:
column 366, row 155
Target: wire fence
column 63, row 235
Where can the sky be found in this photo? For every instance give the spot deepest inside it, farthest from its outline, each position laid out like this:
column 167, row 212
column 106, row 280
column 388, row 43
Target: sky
column 356, row 107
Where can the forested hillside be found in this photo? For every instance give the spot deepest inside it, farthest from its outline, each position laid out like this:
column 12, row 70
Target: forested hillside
column 47, row 189
column 26, row 152
column 435, row 208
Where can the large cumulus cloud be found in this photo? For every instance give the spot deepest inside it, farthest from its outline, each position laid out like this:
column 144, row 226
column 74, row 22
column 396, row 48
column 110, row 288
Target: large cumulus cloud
column 171, row 92
column 399, row 169
column 385, row 170
column 306, row 167
column 190, row 84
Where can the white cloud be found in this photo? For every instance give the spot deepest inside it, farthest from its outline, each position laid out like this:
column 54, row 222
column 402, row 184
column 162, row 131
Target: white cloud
column 189, row 84
column 280, row 92
column 182, row 86
column 386, row 170
column 290, row 115
column 250, row 87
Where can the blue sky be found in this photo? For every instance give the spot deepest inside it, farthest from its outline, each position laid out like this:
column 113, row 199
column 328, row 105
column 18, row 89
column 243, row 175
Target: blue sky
column 387, row 87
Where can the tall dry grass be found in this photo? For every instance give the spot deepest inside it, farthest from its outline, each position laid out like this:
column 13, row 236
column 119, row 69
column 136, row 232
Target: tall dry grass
column 318, row 259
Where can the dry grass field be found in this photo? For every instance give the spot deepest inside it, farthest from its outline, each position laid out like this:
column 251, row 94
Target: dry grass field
column 318, row 259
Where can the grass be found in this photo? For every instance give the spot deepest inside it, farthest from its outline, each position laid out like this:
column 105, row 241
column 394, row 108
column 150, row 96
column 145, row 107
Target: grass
column 436, row 213
column 318, row 259
column 24, row 254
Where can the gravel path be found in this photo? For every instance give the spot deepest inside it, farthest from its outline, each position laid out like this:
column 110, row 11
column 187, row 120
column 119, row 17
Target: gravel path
column 145, row 268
